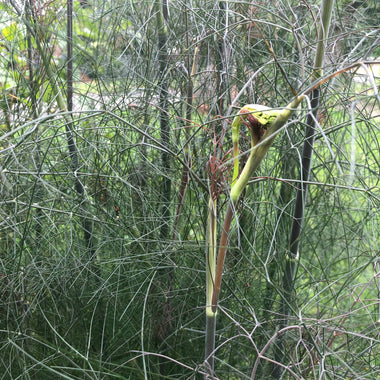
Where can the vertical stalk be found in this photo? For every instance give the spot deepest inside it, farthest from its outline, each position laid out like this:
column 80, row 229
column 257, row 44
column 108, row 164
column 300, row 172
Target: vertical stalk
column 291, row 262
column 164, row 118
column 292, row 258
column 73, row 150
column 37, row 191
column 164, row 321
column 190, row 68
column 69, row 98
column 69, row 65
column 221, row 57
column 211, row 235
column 34, row 107
column 87, row 225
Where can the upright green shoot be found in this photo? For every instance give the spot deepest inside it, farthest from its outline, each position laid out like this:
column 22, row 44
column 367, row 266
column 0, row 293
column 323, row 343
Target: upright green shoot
column 292, row 259
column 211, row 238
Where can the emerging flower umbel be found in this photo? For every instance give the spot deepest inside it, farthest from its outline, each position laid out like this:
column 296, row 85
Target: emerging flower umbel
column 257, row 118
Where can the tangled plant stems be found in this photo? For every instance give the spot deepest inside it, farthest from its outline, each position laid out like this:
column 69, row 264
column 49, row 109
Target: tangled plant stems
column 263, row 124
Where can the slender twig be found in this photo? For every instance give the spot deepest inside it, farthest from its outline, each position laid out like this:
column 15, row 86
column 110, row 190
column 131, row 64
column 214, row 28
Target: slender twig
column 69, row 64
column 190, row 71
column 168, row 274
column 221, row 56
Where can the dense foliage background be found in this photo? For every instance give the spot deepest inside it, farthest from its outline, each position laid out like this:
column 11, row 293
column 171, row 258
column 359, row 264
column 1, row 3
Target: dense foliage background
column 102, row 253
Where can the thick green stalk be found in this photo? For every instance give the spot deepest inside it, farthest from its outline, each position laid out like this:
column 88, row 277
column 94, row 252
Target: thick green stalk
column 292, row 258
column 327, row 7
column 273, row 120
column 235, row 127
column 211, row 234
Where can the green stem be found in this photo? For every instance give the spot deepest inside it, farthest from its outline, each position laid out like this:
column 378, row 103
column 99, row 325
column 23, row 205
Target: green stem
column 259, row 148
column 235, row 127
column 164, row 118
column 292, row 258
column 210, row 279
column 327, row 7
column 291, row 262
column 189, row 108
column 220, row 58
column 166, row 273
column 222, row 255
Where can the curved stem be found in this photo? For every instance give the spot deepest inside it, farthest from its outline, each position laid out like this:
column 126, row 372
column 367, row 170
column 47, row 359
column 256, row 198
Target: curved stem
column 258, row 150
